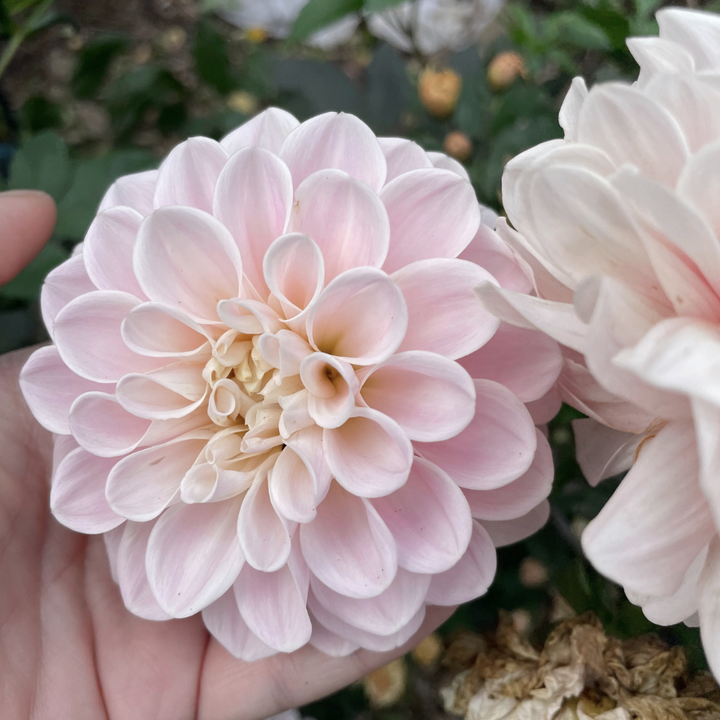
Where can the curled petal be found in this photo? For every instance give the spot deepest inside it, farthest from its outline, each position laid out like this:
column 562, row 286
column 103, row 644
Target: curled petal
column 332, row 385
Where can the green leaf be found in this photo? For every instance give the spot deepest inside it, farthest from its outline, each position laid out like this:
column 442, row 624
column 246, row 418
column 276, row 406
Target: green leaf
column 26, row 286
column 319, row 13
column 38, row 114
column 573, row 28
column 388, row 90
column 212, row 60
column 42, row 164
column 94, row 62
column 380, row 5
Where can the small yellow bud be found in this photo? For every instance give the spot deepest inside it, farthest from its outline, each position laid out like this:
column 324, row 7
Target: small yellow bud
column 386, row 685
column 428, row 650
column 242, row 102
column 439, row 91
column 257, row 35
column 458, row 145
column 504, row 69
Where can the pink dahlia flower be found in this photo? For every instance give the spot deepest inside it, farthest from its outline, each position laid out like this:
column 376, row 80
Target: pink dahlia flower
column 262, row 385
column 620, row 222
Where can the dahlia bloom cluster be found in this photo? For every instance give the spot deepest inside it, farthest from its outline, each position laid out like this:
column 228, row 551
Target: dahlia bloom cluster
column 277, row 396
column 425, row 26
column 620, row 222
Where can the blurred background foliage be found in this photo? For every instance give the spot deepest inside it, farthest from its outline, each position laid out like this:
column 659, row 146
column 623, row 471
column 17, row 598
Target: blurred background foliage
column 90, row 91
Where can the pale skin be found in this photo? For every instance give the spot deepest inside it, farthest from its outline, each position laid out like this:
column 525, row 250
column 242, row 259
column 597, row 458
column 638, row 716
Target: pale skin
column 68, row 648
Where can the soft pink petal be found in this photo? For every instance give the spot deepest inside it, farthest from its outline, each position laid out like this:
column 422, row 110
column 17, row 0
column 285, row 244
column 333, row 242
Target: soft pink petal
column 77, row 494
column 224, row 622
column 433, row 214
column 385, row 614
column 188, row 174
column 520, row 496
column 369, row 455
column 403, row 156
column 430, row 397
column 292, row 487
column 335, row 141
column 250, row 317
column 603, row 451
column 345, row 218
column 360, row 317
column 444, row 316
column 527, row 362
column 265, row 537
column 273, row 607
column 570, row 110
column 445, row 162
column 329, row 642
column 348, row 547
column 62, row 285
column 332, row 385
column 50, row 388
column 698, row 33
column 657, row 521
column 132, row 575
column 186, row 259
column 542, row 411
column 134, row 191
column 470, row 577
column 193, row 556
column 88, row 337
column 496, row 448
column 112, row 540
column 708, row 610
column 108, row 250
column 267, row 130
column 429, row 519
column 253, row 198
column 509, row 532
column 143, row 484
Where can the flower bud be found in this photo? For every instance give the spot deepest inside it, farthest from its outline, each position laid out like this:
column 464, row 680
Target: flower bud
column 458, row 145
column 439, row 91
column 504, row 69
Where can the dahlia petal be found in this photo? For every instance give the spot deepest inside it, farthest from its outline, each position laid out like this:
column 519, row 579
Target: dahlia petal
column 524, row 361
column 248, row 316
column 193, row 556
column 385, row 614
column 103, row 427
column 293, row 487
column 657, row 521
column 708, row 611
column 132, row 575
column 158, row 330
column 441, row 161
column 332, row 399
column 88, row 337
column 62, row 285
column 489, row 251
column 630, row 127
column 50, row 388
column 520, row 496
column 308, row 444
column 707, row 421
column 273, row 607
column 253, row 198
column 265, row 538
column 698, row 33
column 433, row 214
column 267, row 130
column 603, row 451
column 134, row 191
column 429, row 519
column 63, row 445
column 345, row 218
column 224, row 622
column 557, row 319
column 143, row 484
column 430, row 397
column 685, row 228
column 294, row 271
column 366, row 640
column 403, row 156
column 186, row 259
column 658, row 56
column 496, row 448
column 369, row 455
column 112, row 539
column 470, row 577
column 571, row 107
column 188, row 174
column 108, row 250
column 542, row 411
column 360, row 317
column 444, row 315
column 77, row 494
column 509, row 532
column 348, row 547
column 699, row 185
column 329, row 642
column 335, row 141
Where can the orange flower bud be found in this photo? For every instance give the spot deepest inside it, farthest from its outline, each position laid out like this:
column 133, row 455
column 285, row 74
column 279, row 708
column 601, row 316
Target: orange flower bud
column 439, row 91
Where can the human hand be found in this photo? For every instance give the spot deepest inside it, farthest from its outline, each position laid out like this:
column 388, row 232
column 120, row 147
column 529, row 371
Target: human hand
column 68, row 647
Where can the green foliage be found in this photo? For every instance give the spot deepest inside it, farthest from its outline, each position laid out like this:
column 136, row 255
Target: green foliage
column 94, row 62
column 42, row 164
column 319, row 13
column 211, row 57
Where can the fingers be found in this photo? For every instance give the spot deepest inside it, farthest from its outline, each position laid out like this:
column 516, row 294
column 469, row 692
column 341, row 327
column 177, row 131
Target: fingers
column 235, row 690
column 28, row 218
